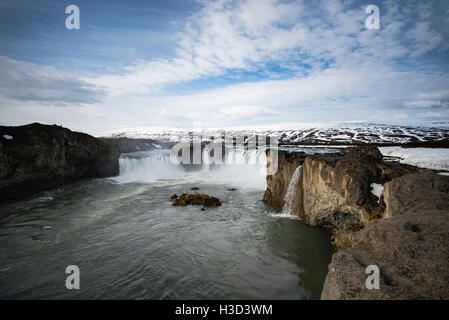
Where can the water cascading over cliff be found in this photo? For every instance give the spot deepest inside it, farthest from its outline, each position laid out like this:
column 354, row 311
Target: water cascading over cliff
column 241, row 168
column 290, row 195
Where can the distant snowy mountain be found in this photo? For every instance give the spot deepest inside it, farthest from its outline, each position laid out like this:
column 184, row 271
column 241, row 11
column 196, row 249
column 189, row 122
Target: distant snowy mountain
column 349, row 133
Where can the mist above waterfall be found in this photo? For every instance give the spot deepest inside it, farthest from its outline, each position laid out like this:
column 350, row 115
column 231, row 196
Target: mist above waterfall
column 241, row 169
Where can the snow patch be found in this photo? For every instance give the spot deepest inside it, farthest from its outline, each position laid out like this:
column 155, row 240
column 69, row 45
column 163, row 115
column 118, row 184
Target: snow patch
column 7, row 137
column 377, row 189
column 430, row 158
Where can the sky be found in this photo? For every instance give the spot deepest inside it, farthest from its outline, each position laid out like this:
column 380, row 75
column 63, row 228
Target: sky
column 174, row 63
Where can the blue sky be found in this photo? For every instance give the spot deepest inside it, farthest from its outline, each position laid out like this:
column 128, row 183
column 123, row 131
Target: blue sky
column 223, row 63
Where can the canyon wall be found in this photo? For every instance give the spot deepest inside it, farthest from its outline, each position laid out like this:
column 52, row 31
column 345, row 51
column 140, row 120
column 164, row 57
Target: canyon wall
column 405, row 232
column 277, row 183
column 38, row 157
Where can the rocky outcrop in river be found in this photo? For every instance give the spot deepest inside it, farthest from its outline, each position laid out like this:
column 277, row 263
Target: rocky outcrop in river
column 405, row 232
column 38, row 157
column 195, row 199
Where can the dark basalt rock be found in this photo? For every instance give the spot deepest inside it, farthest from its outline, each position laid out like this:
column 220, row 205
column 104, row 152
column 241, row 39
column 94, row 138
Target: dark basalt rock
column 195, row 188
column 197, row 199
column 40, row 157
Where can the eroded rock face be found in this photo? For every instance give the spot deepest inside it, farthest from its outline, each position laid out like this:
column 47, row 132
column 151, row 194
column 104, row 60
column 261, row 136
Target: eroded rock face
column 196, row 199
column 277, row 184
column 416, row 191
column 38, row 157
column 405, row 232
column 411, row 251
column 410, row 245
column 334, row 189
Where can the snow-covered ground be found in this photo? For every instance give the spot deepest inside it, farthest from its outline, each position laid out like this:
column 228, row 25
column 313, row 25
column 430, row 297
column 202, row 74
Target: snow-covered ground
column 377, row 189
column 337, row 134
column 437, row 159
column 343, row 133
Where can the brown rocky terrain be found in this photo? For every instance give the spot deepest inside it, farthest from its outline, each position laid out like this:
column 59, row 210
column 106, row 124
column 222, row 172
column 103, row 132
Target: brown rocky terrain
column 38, row 157
column 405, row 232
column 335, row 189
column 411, row 251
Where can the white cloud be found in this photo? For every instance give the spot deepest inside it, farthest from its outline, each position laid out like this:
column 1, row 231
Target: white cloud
column 336, row 69
column 25, row 81
column 426, row 104
column 229, row 35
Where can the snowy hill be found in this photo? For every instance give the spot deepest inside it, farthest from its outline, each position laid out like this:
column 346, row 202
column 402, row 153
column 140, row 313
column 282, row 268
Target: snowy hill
column 350, row 133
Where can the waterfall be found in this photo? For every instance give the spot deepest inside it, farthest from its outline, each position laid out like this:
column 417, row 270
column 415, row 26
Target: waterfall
column 206, row 159
column 291, row 191
column 147, row 166
column 254, row 158
column 241, row 168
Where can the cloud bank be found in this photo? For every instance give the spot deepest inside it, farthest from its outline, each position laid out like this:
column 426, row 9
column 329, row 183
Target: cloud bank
column 260, row 61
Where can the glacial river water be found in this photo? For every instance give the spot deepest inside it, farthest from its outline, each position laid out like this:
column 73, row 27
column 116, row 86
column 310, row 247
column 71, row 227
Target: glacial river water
column 129, row 242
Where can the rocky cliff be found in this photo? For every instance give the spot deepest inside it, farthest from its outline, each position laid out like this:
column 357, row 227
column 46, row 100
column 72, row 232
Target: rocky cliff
column 405, row 232
column 277, row 183
column 335, row 189
column 38, row 157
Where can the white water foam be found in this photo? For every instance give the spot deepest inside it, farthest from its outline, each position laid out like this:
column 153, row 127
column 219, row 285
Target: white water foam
column 285, row 215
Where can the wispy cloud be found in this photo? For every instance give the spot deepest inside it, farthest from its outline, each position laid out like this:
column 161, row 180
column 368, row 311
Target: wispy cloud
column 282, row 61
column 296, row 36
column 25, row 81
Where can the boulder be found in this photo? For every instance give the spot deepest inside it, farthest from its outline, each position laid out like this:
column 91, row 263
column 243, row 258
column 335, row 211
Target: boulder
column 196, row 199
column 416, row 191
column 411, row 251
